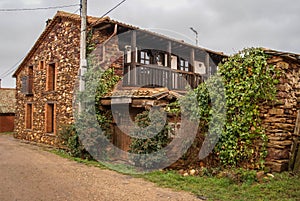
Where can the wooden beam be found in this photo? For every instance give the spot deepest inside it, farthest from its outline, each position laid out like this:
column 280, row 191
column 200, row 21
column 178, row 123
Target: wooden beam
column 208, row 70
column 192, row 68
column 169, row 50
column 192, row 60
column 297, row 125
column 294, row 162
column 133, row 58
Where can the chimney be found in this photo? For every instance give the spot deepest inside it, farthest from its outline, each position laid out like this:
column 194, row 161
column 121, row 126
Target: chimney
column 48, row 22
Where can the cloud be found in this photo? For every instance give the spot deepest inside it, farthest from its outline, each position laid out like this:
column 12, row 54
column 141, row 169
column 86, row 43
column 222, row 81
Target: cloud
column 223, row 25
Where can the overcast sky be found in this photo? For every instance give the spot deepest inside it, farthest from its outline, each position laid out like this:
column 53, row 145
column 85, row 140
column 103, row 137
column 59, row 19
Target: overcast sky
column 223, row 25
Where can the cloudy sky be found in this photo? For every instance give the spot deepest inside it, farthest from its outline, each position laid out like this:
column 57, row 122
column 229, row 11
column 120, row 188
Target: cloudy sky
column 223, row 25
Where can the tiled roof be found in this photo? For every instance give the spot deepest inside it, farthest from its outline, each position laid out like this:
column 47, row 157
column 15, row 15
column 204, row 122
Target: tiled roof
column 59, row 14
column 287, row 55
column 152, row 93
column 108, row 20
column 93, row 21
column 7, row 101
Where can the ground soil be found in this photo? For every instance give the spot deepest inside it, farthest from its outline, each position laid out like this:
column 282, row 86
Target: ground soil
column 29, row 173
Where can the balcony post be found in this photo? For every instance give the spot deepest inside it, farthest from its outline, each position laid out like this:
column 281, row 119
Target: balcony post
column 133, row 73
column 208, row 70
column 192, row 68
column 170, row 80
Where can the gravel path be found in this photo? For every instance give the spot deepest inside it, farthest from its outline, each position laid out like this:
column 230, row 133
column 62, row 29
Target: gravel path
column 28, row 173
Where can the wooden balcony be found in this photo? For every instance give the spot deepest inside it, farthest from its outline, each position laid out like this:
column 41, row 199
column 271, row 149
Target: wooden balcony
column 159, row 76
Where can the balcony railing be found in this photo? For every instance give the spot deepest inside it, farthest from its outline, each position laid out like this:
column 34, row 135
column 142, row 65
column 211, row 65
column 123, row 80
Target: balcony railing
column 157, row 76
column 27, row 85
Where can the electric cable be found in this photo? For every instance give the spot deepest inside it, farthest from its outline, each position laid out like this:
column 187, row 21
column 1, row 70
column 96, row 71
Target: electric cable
column 34, row 9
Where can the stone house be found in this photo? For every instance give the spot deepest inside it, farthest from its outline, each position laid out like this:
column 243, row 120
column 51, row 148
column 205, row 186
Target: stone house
column 7, row 109
column 155, row 71
column 154, row 66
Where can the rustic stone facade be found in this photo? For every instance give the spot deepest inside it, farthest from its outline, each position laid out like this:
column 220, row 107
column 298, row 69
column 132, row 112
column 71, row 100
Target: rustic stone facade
column 279, row 117
column 57, row 46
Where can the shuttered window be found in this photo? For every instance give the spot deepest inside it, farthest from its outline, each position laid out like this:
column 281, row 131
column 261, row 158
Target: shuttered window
column 28, row 116
column 51, row 77
column 50, row 118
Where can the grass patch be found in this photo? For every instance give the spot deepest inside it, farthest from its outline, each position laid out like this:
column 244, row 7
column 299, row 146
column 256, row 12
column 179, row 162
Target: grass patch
column 7, row 133
column 64, row 154
column 283, row 186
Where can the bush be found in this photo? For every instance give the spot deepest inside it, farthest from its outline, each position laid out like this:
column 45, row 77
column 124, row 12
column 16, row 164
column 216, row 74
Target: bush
column 69, row 138
column 142, row 147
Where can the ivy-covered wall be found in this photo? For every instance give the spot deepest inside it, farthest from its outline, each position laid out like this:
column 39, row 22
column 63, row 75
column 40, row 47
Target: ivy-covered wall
column 262, row 93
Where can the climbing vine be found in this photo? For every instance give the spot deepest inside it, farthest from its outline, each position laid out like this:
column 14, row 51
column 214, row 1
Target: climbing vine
column 248, row 81
column 149, row 127
column 96, row 132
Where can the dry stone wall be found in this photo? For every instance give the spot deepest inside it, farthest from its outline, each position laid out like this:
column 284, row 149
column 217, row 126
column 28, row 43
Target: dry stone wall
column 278, row 118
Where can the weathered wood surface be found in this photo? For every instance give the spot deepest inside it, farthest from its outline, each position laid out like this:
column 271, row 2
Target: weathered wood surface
column 294, row 163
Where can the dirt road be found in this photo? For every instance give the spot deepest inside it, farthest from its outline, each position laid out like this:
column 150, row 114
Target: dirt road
column 28, row 173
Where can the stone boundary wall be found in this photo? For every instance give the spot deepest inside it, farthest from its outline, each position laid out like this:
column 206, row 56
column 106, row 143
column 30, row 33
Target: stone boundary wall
column 279, row 117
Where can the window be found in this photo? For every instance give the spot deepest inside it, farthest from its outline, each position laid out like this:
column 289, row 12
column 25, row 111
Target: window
column 183, row 65
column 144, row 57
column 174, row 62
column 28, row 116
column 30, row 71
column 50, row 118
column 160, row 59
column 27, row 82
column 51, row 77
column 41, row 65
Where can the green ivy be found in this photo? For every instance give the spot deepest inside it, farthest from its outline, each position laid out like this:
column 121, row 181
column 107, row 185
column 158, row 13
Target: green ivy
column 150, row 145
column 248, row 81
column 96, row 130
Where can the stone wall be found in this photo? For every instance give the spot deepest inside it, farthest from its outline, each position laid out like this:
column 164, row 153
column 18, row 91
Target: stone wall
column 279, row 117
column 59, row 46
column 107, row 53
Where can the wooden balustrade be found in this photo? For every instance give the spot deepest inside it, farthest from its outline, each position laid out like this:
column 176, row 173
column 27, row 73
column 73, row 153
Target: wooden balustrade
column 159, row 76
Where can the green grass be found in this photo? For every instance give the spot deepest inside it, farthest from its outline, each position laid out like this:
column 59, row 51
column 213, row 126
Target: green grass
column 282, row 187
column 63, row 154
column 7, row 133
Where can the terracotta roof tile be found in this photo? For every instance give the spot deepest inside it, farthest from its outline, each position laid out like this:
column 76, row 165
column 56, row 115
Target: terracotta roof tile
column 152, row 93
column 287, row 55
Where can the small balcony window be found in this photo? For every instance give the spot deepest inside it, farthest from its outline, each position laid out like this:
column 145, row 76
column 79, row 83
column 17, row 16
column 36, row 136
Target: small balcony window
column 184, row 65
column 145, row 57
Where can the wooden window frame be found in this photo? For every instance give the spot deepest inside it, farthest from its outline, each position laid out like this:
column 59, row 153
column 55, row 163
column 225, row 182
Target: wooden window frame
column 143, row 59
column 29, row 116
column 184, row 67
column 41, row 64
column 50, row 118
column 51, row 77
column 162, row 56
